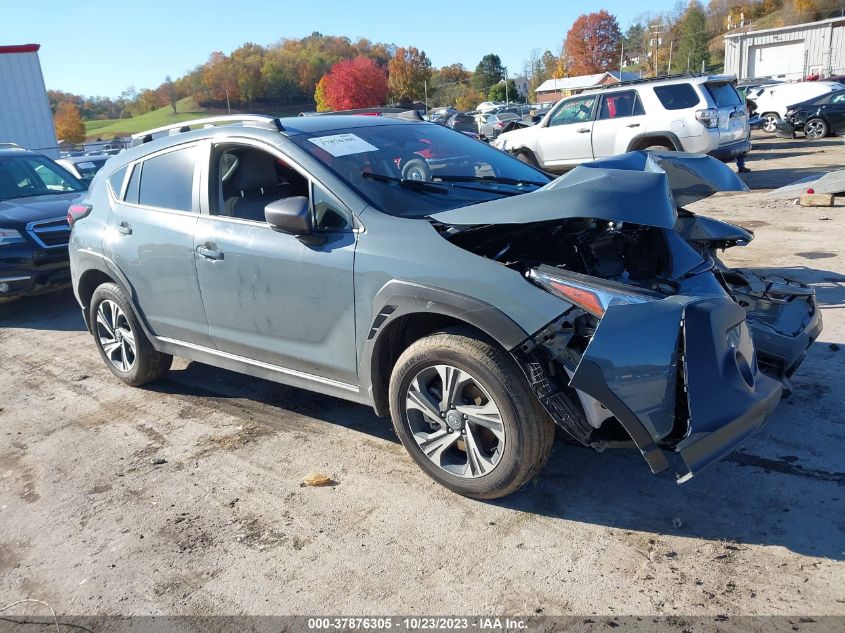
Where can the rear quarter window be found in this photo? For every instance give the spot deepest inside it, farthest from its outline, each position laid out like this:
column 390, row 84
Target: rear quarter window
column 677, row 96
column 723, row 94
column 116, row 181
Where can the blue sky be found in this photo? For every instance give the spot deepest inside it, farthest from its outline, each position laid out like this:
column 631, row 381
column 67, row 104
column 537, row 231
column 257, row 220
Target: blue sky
column 98, row 47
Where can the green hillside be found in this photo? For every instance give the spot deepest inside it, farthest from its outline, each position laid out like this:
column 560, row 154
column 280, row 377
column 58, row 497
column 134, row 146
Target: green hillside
column 186, row 110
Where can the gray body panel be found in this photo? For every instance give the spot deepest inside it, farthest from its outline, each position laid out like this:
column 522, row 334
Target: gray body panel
column 277, row 300
column 157, row 258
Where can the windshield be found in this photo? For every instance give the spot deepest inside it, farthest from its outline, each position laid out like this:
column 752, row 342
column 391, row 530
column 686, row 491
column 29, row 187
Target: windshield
column 415, row 170
column 28, row 176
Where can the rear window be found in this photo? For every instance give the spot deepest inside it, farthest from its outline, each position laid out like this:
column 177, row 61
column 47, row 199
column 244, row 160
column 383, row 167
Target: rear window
column 167, row 180
column 723, row 94
column 677, row 96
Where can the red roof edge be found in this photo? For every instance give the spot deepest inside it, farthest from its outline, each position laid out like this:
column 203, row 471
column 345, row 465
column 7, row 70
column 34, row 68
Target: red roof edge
column 20, row 48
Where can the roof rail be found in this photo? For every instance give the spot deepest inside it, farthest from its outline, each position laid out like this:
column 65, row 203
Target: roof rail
column 253, row 120
column 643, row 80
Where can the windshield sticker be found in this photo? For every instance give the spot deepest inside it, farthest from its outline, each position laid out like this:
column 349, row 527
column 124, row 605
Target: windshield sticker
column 343, row 144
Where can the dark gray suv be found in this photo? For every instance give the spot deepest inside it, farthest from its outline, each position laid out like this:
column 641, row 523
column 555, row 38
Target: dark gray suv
column 477, row 302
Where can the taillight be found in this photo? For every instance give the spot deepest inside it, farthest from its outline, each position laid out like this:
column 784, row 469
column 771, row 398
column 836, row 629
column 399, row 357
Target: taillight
column 77, row 212
column 708, row 118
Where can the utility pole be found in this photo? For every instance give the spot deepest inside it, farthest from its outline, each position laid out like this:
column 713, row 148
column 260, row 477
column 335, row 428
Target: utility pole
column 425, row 89
column 656, row 32
column 621, row 59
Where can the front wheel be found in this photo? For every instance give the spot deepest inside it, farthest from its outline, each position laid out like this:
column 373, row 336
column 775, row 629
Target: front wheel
column 122, row 343
column 465, row 413
column 816, row 128
column 770, row 122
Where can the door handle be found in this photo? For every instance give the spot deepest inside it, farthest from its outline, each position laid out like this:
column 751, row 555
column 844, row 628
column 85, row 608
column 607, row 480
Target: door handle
column 209, row 253
column 633, row 125
column 124, row 229
column 583, row 130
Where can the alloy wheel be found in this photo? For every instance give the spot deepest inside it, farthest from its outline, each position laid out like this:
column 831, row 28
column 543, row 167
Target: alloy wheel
column 814, row 129
column 770, row 122
column 454, row 421
column 115, row 335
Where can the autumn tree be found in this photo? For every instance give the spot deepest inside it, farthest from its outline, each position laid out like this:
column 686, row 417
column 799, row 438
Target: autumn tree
column 247, row 62
column 409, row 69
column 69, row 125
column 353, row 83
column 592, row 44
column 468, row 99
column 320, row 95
column 693, row 40
column 488, row 72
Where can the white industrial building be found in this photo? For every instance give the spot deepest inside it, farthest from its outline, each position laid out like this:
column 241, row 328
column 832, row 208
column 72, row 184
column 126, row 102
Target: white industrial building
column 25, row 117
column 788, row 53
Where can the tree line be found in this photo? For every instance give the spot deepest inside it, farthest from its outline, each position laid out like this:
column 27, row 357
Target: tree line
column 335, row 72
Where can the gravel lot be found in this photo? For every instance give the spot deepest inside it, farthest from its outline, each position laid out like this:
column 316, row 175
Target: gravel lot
column 91, row 525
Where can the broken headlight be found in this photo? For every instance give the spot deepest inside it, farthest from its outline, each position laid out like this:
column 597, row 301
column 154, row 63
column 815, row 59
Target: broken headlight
column 588, row 293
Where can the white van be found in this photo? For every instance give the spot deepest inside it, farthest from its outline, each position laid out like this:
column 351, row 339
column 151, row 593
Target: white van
column 772, row 101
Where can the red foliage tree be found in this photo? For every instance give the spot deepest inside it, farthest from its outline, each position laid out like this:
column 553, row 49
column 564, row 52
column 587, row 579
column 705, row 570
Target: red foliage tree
column 592, row 44
column 354, row 83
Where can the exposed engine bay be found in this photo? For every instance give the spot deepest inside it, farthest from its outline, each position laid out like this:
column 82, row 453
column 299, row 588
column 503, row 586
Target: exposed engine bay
column 662, row 346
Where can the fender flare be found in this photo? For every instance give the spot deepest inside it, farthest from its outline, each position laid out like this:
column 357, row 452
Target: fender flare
column 100, row 263
column 397, row 299
column 670, row 136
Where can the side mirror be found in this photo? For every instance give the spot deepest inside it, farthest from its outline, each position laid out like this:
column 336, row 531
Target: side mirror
column 290, row 215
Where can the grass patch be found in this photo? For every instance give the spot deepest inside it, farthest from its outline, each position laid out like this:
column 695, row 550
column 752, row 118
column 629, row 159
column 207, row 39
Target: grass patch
column 186, row 110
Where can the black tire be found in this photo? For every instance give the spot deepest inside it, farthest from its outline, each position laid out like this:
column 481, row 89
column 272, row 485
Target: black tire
column 527, row 158
column 816, row 128
column 146, row 363
column 416, row 169
column 528, row 431
column 658, row 147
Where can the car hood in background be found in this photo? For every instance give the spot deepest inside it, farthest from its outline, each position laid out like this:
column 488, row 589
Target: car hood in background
column 638, row 187
column 19, row 212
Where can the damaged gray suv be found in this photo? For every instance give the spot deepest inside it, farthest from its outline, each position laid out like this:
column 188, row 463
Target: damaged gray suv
column 467, row 295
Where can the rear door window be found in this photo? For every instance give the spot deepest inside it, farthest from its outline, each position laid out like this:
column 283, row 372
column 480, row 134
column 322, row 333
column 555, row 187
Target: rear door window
column 677, row 96
column 620, row 104
column 167, row 180
column 723, row 94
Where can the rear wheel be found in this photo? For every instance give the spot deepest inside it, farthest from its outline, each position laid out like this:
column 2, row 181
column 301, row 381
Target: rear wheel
column 658, row 147
column 463, row 410
column 122, row 343
column 770, row 121
column 816, row 128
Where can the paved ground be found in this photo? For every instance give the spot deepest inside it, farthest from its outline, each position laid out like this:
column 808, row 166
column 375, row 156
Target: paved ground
column 89, row 524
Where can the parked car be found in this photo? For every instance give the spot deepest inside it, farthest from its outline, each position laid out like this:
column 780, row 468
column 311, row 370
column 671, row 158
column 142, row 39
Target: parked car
column 773, row 101
column 477, row 308
column 463, row 122
column 815, row 118
column 84, row 167
column 488, row 106
column 515, row 124
column 689, row 114
column 35, row 194
column 490, row 125
column 744, row 86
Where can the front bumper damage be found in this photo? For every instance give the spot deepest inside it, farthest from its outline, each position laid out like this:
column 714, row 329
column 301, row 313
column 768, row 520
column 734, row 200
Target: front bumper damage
column 679, row 375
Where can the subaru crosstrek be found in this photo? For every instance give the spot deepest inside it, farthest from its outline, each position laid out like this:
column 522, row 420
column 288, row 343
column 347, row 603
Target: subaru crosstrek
column 467, row 295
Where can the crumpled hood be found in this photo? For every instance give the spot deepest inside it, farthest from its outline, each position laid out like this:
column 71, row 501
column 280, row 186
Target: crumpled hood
column 637, row 187
column 19, row 212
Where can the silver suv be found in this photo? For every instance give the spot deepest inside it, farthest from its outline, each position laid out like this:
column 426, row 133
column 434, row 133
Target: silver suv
column 703, row 115
column 468, row 296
